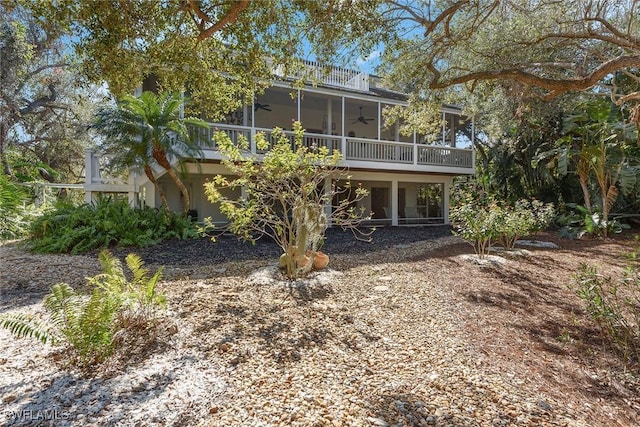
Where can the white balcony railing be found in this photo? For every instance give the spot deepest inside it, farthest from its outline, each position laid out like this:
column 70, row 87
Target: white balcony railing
column 330, row 76
column 357, row 152
column 353, row 149
column 445, row 156
column 379, row 151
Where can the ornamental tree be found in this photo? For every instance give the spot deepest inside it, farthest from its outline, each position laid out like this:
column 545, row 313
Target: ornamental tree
column 284, row 194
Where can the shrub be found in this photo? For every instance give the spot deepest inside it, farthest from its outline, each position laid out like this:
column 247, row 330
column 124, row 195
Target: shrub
column 93, row 325
column 79, row 229
column 521, row 219
column 475, row 224
column 615, row 306
column 479, row 219
column 576, row 221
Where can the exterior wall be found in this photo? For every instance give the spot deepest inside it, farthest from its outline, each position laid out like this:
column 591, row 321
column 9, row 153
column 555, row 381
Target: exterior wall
column 387, row 212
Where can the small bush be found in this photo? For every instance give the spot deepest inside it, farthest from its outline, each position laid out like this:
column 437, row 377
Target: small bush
column 521, row 219
column 92, row 326
column 79, row 229
column 475, row 224
column 481, row 220
column 286, row 195
column 615, row 306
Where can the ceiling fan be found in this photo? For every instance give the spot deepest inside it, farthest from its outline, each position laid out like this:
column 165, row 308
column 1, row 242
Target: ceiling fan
column 258, row 106
column 362, row 119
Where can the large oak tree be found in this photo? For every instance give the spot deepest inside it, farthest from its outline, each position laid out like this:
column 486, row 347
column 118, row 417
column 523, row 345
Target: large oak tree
column 220, row 52
column 44, row 105
column 538, row 48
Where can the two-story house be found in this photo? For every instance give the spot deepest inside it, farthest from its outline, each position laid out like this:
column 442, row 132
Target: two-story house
column 409, row 177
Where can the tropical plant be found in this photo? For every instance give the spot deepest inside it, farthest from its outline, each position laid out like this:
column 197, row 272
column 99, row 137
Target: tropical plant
column 93, row 326
column 142, row 130
column 286, row 194
column 597, row 141
column 79, row 229
column 576, row 221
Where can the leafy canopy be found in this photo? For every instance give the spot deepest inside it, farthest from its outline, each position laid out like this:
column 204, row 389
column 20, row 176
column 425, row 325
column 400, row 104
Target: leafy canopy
column 220, row 52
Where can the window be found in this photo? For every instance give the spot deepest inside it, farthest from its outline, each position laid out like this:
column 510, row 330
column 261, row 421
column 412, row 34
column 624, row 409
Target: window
column 430, row 200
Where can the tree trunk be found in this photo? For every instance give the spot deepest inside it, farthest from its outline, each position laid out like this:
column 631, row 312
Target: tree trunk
column 585, row 191
column 4, row 131
column 183, row 189
column 163, row 198
column 161, row 157
column 583, row 168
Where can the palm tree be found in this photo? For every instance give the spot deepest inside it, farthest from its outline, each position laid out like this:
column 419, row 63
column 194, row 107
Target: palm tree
column 141, row 130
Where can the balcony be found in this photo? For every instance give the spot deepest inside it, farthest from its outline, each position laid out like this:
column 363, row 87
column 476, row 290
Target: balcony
column 329, row 76
column 357, row 152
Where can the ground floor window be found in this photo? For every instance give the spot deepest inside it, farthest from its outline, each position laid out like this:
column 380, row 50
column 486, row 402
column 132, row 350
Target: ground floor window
column 430, row 200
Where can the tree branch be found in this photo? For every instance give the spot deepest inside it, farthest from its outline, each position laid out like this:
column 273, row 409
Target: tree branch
column 554, row 86
column 230, row 17
column 40, row 102
column 627, row 97
column 38, row 71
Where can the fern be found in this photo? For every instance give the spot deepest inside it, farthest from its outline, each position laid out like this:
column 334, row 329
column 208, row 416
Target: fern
column 84, row 228
column 27, row 326
column 90, row 323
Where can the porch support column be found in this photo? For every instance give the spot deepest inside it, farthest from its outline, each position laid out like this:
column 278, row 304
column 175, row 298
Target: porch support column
column 132, row 190
column 327, row 205
column 394, row 203
column 445, row 200
column 329, row 117
column 150, row 195
column 299, row 98
column 252, row 135
column 343, row 144
column 379, row 120
column 88, row 174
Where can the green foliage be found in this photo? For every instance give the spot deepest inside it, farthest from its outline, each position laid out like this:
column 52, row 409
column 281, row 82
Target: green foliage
column 474, row 222
column 521, row 219
column 26, row 325
column 14, row 215
column 615, row 306
column 46, row 103
column 601, row 147
column 576, row 221
column 93, row 326
column 285, row 194
column 139, row 131
column 220, row 52
column 79, row 229
column 480, row 219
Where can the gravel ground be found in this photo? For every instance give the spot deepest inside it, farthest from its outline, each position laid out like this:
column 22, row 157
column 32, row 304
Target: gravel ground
column 204, row 251
column 392, row 335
